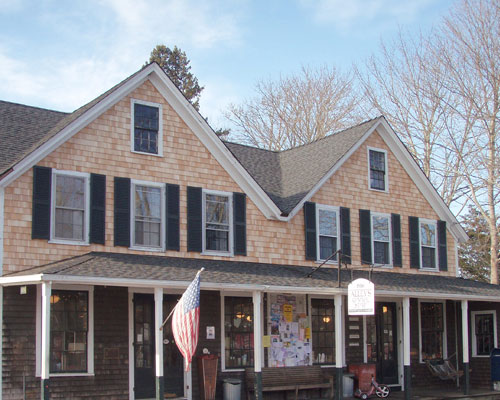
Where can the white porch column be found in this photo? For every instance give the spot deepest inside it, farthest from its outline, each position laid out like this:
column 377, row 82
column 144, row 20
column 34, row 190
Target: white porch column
column 45, row 353
column 257, row 339
column 465, row 344
column 406, row 347
column 339, row 350
column 159, row 343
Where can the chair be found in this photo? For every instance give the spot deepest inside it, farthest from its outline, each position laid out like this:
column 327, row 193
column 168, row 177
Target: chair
column 443, row 368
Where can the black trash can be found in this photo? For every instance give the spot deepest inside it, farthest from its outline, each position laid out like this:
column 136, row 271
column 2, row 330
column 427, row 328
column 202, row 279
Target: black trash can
column 495, row 368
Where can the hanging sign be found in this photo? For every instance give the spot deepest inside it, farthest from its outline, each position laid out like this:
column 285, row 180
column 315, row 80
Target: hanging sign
column 361, row 297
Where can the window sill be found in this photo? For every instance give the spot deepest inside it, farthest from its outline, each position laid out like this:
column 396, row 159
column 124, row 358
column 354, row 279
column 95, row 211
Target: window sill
column 63, row 374
column 216, row 253
column 70, row 242
column 429, row 269
column 147, row 154
column 152, row 249
column 234, row 369
column 379, row 190
column 476, row 356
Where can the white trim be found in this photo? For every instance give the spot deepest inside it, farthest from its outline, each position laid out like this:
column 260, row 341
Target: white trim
column 2, row 222
column 436, row 253
column 339, row 331
column 159, row 139
column 389, row 224
column 45, row 331
column 257, row 330
column 386, row 174
column 161, row 186
column 158, row 307
column 86, row 211
column 90, row 330
column 465, row 331
column 445, row 341
column 229, row 196
column 473, row 331
column 320, row 207
column 131, row 363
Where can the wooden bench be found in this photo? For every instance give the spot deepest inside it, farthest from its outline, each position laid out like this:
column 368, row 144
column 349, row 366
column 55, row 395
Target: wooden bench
column 290, row 378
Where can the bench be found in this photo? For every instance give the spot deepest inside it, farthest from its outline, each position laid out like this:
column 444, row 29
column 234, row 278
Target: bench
column 290, row 378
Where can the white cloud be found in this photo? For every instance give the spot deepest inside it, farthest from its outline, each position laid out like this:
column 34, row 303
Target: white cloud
column 346, row 14
column 7, row 6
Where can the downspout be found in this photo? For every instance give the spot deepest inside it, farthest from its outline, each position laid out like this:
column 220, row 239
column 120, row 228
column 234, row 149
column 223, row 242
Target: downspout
column 2, row 221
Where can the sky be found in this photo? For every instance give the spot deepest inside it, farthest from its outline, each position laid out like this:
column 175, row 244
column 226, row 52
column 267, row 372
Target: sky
column 62, row 54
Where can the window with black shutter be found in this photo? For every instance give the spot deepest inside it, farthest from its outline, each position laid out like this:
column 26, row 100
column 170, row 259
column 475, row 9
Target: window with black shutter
column 365, row 236
column 381, row 238
column 310, row 230
column 42, row 188
column 194, row 219
column 397, row 252
column 240, row 224
column 97, row 208
column 173, row 216
column 122, row 212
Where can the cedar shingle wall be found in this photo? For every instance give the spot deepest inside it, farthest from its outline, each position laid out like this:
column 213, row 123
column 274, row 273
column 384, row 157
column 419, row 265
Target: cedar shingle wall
column 104, row 147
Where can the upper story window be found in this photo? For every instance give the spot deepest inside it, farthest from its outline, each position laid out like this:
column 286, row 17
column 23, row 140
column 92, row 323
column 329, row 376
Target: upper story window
column 217, row 222
column 378, row 169
column 328, row 232
column 147, row 215
column 381, row 236
column 146, row 127
column 484, row 332
column 428, row 243
column 70, row 207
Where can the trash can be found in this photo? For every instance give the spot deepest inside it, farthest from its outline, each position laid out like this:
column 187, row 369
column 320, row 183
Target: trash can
column 495, row 368
column 232, row 389
column 348, row 385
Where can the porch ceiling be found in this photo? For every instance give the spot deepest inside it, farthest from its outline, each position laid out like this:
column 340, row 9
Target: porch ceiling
column 138, row 270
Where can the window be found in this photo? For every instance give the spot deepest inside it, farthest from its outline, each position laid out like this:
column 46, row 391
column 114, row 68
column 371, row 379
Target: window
column 238, row 332
column 484, row 332
column 428, row 243
column 147, row 215
column 381, row 234
column 217, row 222
column 146, row 127
column 327, row 240
column 69, row 328
column 323, row 331
column 432, row 330
column 378, row 169
column 70, row 207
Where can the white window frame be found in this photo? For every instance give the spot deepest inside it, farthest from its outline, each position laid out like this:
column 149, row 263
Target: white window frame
column 86, row 211
column 309, row 314
column 90, row 331
column 160, row 126
column 337, row 211
column 160, row 186
column 223, row 295
column 229, row 195
column 473, row 315
column 436, row 253
column 388, row 216
column 445, row 334
column 386, row 175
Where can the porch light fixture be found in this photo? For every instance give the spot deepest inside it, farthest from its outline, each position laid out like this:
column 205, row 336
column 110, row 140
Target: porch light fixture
column 326, row 319
column 240, row 315
column 54, row 299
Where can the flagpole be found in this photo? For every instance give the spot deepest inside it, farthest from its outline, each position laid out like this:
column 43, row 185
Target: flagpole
column 173, row 309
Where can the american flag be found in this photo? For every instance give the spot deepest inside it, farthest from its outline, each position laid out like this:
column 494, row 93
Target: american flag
column 185, row 320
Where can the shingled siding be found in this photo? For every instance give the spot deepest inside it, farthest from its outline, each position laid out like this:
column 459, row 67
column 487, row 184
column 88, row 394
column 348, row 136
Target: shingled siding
column 110, row 349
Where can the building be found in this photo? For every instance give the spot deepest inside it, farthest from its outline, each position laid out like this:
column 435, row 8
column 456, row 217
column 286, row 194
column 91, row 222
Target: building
column 107, row 213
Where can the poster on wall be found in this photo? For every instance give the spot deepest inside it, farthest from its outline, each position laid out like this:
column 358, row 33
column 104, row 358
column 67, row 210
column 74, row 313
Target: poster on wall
column 288, row 328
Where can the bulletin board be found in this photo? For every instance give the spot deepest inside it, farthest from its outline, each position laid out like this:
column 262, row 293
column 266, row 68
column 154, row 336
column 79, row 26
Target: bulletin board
column 289, row 330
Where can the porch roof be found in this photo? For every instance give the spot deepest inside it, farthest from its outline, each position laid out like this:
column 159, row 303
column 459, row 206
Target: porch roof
column 114, row 269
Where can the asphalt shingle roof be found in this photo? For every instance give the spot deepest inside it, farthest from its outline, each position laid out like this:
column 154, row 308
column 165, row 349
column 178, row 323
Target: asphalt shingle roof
column 161, row 268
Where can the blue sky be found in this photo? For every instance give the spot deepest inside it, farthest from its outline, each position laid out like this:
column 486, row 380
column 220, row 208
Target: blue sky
column 62, row 54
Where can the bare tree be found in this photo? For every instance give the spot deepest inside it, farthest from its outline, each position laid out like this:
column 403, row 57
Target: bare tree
column 468, row 45
column 295, row 110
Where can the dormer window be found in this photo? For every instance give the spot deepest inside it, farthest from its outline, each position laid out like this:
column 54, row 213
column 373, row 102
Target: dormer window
column 378, row 169
column 146, row 128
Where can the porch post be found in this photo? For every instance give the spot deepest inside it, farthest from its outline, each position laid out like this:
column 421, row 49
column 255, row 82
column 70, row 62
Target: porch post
column 257, row 347
column 339, row 351
column 465, row 345
column 406, row 347
column 45, row 354
column 159, row 344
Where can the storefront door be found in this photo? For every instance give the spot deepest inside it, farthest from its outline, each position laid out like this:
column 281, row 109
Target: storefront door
column 381, row 342
column 172, row 358
column 144, row 342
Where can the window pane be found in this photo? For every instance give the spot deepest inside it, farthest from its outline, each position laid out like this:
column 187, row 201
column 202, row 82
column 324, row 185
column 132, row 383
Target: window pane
column 216, row 222
column 323, row 327
column 147, row 216
column 327, row 222
column 217, row 240
column 381, row 252
column 68, row 331
column 377, row 170
column 432, row 323
column 428, row 234
column 69, row 207
column 146, row 126
column 428, row 257
column 485, row 336
column 327, row 246
column 238, row 331
column 217, row 209
column 380, row 228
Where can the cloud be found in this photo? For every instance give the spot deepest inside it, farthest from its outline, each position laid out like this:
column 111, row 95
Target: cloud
column 347, row 14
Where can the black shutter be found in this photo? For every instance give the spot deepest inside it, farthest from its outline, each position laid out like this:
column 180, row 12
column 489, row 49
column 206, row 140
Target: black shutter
column 122, row 212
column 345, row 232
column 310, row 230
column 172, row 217
column 365, row 232
column 42, row 189
column 414, row 242
column 240, row 224
column 442, row 249
column 397, row 256
column 194, row 219
column 97, row 208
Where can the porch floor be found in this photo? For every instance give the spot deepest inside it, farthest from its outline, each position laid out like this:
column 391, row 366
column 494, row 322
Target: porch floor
column 433, row 393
